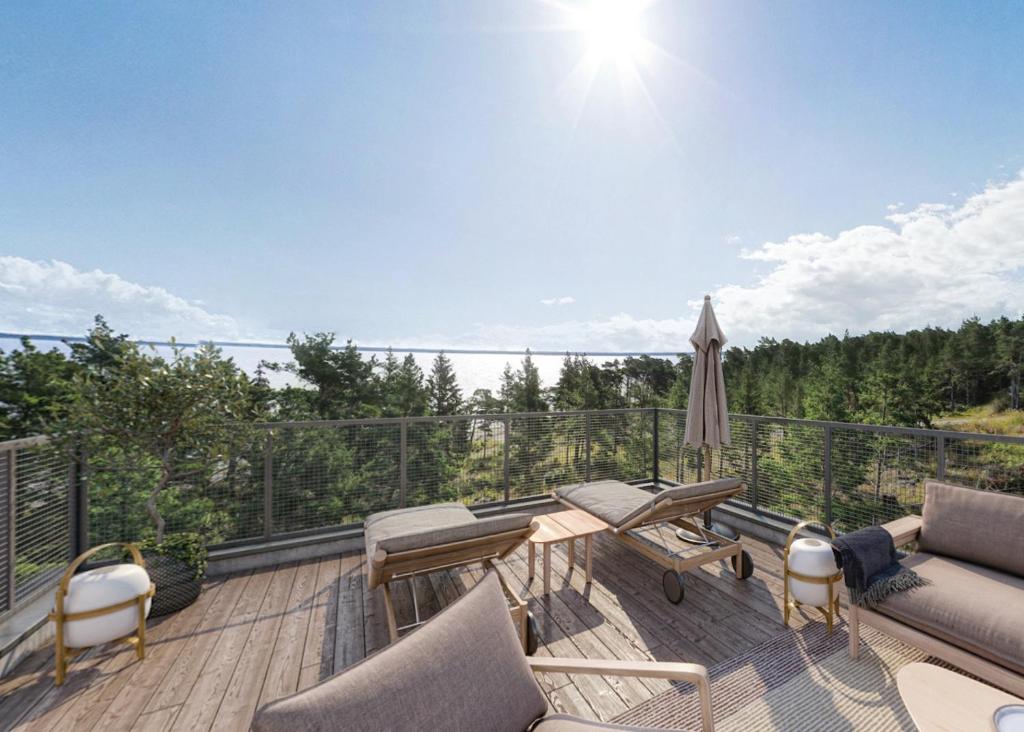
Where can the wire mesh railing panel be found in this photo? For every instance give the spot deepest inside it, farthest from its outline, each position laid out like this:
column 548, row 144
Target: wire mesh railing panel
column 878, row 476
column 42, row 520
column 545, row 451
column 6, row 592
column 676, row 461
column 986, row 465
column 791, row 470
column 455, row 459
column 735, row 460
column 334, row 475
column 622, row 445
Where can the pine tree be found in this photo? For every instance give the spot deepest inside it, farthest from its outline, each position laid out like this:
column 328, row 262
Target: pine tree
column 444, row 395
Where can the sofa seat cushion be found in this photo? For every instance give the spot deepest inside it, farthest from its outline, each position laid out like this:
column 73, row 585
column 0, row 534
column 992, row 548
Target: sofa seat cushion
column 969, row 606
column 464, row 669
column 569, row 723
column 983, row 527
column 405, row 529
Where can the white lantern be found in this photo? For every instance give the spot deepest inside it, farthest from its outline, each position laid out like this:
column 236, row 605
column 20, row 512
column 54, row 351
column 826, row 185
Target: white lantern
column 810, row 575
column 101, row 605
column 104, row 587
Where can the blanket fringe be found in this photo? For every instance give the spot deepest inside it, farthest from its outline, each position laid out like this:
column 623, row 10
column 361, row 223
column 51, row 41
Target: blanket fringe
column 880, row 589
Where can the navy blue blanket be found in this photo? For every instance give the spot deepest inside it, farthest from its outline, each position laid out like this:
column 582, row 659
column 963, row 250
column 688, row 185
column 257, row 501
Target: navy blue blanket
column 871, row 567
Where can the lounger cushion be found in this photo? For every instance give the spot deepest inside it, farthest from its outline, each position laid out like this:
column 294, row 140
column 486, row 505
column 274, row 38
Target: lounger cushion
column 415, row 528
column 464, row 669
column 612, row 501
column 569, row 723
column 618, row 503
column 969, row 606
column 976, row 526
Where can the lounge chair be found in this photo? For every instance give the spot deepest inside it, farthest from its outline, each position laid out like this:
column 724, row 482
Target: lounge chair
column 632, row 512
column 462, row 670
column 408, row 541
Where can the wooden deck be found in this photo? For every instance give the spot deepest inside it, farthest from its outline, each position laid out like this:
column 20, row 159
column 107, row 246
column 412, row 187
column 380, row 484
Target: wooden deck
column 254, row 637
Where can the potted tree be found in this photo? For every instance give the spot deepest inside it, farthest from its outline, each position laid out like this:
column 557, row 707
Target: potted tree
column 165, row 422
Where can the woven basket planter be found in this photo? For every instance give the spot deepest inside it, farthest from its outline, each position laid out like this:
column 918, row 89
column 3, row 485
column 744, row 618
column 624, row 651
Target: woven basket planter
column 176, row 583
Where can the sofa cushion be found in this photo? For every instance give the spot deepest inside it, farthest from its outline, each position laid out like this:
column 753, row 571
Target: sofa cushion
column 464, row 669
column 969, row 606
column 569, row 723
column 976, row 526
column 415, row 528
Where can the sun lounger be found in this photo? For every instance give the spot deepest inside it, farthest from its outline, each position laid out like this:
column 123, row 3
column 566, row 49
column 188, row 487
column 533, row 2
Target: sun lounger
column 408, row 541
column 634, row 514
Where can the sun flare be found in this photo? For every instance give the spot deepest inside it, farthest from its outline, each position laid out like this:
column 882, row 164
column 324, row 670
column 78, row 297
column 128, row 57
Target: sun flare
column 613, row 30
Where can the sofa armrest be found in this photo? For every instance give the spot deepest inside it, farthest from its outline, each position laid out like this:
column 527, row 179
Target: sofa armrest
column 904, row 530
column 691, row 672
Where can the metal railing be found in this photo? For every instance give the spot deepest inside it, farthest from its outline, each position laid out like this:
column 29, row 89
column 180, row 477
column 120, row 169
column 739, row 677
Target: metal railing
column 294, row 478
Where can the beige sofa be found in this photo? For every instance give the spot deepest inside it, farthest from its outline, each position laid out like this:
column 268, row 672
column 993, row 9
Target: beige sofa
column 970, row 547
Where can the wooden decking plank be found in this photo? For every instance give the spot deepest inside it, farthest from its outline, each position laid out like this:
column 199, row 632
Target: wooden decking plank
column 203, row 702
column 158, row 721
column 283, row 675
column 350, row 628
column 321, row 624
column 140, row 685
column 631, row 690
column 190, row 661
column 246, row 683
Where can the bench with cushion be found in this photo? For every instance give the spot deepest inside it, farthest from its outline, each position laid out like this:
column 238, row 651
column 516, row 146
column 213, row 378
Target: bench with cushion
column 971, row 614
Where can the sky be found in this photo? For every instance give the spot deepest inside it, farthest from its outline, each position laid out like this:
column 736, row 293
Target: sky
column 509, row 174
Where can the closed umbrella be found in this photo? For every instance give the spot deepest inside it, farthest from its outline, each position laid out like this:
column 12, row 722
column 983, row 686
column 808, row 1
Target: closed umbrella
column 707, row 417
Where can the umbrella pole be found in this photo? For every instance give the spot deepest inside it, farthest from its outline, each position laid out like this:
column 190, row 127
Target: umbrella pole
column 707, row 476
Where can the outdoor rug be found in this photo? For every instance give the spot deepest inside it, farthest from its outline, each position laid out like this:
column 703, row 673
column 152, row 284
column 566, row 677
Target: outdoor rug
column 799, row 680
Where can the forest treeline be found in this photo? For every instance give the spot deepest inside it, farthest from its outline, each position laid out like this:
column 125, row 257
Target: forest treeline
column 878, row 378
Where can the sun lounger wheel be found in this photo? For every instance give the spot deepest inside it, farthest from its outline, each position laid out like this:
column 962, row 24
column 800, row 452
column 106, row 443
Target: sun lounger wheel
column 672, row 583
column 746, row 568
column 532, row 634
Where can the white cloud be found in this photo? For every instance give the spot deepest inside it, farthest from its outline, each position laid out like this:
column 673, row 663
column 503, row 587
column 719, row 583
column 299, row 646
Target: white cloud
column 54, row 297
column 937, row 264
column 564, row 300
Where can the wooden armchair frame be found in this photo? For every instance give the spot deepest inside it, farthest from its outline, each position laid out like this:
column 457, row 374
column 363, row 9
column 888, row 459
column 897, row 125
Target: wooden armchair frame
column 63, row 653
column 386, row 567
column 689, row 672
column 905, row 531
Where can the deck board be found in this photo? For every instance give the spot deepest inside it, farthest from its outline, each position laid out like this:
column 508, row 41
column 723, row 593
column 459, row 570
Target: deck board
column 254, row 637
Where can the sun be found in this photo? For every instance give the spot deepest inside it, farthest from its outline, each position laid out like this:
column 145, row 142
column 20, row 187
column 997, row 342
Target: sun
column 613, row 30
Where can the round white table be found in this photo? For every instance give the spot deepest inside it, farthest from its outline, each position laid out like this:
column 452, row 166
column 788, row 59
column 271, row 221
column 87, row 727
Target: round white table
column 940, row 700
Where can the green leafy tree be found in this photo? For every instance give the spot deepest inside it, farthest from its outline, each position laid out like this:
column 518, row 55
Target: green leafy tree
column 178, row 417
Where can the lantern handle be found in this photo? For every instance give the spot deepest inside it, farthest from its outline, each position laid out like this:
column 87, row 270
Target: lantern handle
column 803, row 524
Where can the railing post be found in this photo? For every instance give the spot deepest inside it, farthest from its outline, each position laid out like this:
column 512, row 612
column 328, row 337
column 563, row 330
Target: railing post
column 827, row 474
column 505, row 469
column 656, row 472
column 940, row 457
column 753, row 462
column 12, row 507
column 403, row 462
column 75, row 505
column 268, row 486
column 586, row 438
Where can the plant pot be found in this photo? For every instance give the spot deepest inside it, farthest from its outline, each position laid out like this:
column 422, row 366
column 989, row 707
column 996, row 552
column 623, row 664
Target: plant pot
column 176, row 583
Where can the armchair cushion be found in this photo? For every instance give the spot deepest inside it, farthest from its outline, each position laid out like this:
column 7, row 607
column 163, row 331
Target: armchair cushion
column 569, row 723
column 464, row 669
column 982, row 527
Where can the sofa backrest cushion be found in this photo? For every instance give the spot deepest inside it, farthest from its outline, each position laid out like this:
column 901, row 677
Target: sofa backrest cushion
column 983, row 527
column 462, row 670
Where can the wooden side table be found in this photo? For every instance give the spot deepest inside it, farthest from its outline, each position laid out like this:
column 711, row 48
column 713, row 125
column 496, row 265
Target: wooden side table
column 940, row 700
column 567, row 526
